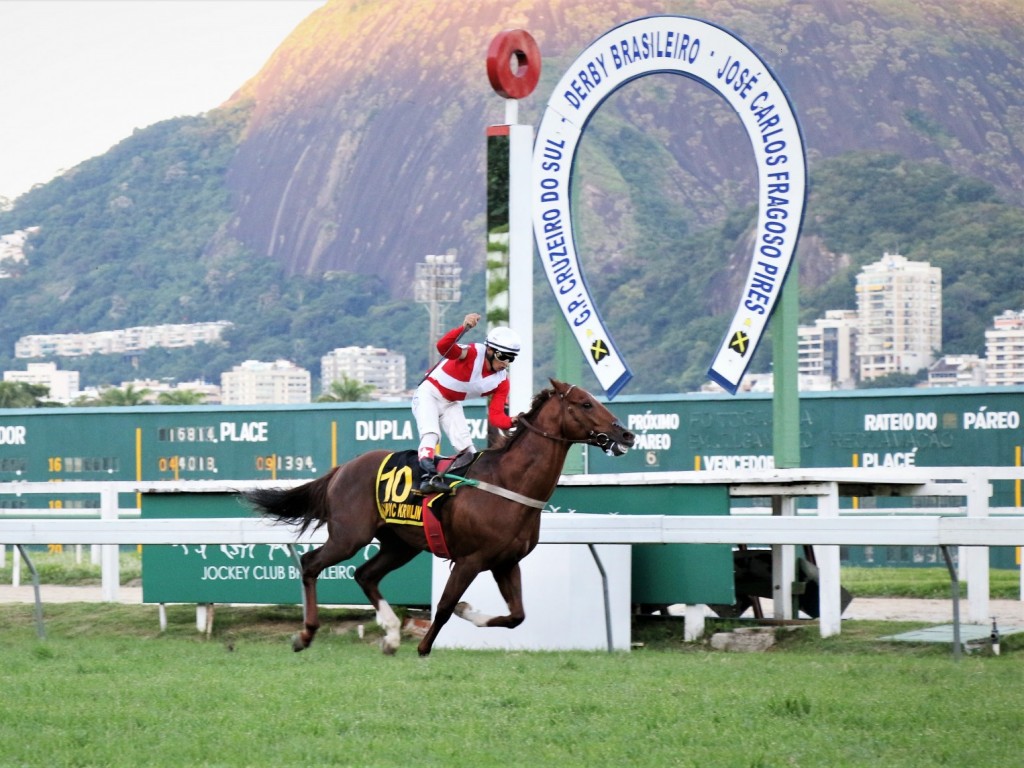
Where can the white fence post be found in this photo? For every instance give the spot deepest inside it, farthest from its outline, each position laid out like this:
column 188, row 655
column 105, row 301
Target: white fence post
column 693, row 628
column 110, row 577
column 827, row 556
column 783, row 564
column 975, row 560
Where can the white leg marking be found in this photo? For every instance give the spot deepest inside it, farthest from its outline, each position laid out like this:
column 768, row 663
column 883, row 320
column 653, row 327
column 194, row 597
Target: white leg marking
column 387, row 619
column 465, row 611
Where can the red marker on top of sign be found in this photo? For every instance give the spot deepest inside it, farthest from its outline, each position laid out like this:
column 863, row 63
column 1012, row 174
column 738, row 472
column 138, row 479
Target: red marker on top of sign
column 513, row 81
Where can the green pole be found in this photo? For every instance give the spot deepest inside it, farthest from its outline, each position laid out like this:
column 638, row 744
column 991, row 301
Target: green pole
column 786, row 398
column 569, row 368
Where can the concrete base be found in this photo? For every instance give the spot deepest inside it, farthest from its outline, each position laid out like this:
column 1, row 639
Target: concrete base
column 969, row 633
column 744, row 640
column 563, row 598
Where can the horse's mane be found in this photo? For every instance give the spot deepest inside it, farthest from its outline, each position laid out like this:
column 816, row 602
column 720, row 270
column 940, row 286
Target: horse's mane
column 539, row 399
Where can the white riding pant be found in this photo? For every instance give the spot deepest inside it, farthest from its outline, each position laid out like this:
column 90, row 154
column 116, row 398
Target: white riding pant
column 433, row 413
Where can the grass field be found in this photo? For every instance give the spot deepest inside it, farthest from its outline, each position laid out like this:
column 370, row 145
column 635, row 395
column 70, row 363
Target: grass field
column 1004, row 583
column 70, row 568
column 107, row 689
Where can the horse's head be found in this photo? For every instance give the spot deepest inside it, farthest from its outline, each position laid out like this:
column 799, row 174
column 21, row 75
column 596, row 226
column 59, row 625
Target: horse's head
column 585, row 420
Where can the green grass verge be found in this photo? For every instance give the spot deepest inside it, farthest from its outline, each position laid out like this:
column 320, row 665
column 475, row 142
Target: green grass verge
column 107, row 688
column 71, row 568
column 1004, row 583
column 61, row 568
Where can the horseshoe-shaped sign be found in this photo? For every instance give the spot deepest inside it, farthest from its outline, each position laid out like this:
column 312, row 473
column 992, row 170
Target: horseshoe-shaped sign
column 721, row 61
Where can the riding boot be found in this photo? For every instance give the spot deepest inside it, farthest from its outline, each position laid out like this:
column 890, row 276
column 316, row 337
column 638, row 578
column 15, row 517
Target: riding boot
column 429, row 468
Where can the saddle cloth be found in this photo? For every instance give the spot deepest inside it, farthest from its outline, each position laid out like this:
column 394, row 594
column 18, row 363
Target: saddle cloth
column 397, row 479
column 399, row 503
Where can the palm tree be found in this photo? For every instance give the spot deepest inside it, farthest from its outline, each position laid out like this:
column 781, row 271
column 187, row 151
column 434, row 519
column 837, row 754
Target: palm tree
column 346, row 391
column 18, row 394
column 181, row 397
column 123, row 397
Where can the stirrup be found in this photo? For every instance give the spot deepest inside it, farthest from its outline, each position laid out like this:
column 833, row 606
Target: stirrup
column 434, row 484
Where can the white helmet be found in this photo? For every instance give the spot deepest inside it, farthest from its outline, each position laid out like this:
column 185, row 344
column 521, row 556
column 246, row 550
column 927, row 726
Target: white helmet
column 504, row 340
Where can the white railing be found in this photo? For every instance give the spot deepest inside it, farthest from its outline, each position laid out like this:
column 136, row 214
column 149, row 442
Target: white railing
column 972, row 527
column 109, row 510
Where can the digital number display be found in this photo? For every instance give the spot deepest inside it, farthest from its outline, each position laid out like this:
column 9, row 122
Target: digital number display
column 204, row 434
column 187, row 464
column 76, row 464
column 277, row 462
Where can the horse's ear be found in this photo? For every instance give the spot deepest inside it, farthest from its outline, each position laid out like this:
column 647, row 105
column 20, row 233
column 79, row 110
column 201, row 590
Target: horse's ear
column 558, row 385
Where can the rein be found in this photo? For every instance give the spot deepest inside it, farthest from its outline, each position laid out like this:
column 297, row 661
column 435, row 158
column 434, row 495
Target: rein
column 597, row 439
column 505, row 493
column 497, row 490
column 542, row 433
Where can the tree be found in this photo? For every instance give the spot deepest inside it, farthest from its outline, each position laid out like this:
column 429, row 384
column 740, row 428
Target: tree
column 17, row 394
column 181, row 397
column 346, row 391
column 895, row 379
column 122, row 397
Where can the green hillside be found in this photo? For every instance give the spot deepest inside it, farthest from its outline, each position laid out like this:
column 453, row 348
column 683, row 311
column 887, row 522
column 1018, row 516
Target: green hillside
column 665, row 310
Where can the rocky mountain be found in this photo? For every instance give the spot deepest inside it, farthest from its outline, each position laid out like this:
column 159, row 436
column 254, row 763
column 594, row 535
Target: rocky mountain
column 365, row 147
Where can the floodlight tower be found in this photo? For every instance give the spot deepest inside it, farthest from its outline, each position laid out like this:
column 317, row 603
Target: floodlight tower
column 438, row 284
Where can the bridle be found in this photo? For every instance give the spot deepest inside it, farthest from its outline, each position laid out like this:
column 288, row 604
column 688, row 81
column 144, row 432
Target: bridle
column 600, row 440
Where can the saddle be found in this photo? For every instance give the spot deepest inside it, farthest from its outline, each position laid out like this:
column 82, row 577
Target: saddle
column 401, row 500
column 436, row 482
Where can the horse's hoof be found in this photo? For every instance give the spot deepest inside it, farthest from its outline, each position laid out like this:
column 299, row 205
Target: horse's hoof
column 387, row 649
column 297, row 644
column 462, row 608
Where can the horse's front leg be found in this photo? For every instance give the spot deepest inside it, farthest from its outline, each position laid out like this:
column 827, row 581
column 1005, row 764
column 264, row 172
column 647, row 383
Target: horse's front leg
column 459, row 579
column 510, row 583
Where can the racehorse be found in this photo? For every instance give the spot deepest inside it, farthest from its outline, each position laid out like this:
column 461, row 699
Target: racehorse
column 489, row 526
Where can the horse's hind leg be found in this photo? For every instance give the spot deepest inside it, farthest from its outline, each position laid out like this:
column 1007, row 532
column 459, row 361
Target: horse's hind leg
column 313, row 564
column 510, row 583
column 393, row 554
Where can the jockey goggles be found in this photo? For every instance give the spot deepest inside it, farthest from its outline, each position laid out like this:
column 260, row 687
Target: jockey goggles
column 505, row 357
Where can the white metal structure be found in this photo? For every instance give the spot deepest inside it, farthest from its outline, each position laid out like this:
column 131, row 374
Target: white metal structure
column 974, row 529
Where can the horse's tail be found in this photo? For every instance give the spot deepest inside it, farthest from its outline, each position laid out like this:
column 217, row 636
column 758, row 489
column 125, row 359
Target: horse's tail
column 306, row 504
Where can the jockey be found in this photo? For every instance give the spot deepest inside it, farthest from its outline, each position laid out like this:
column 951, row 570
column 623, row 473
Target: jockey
column 471, row 370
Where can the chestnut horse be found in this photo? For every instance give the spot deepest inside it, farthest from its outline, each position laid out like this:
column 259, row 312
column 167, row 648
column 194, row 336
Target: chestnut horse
column 488, row 527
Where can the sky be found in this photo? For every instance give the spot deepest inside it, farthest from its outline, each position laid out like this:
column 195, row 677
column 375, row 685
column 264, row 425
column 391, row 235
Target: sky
column 78, row 76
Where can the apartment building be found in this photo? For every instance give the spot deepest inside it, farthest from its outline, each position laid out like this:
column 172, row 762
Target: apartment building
column 260, row 383
column 899, row 310
column 381, row 368
column 828, row 348
column 1004, row 349
column 63, row 385
column 120, row 342
column 957, row 371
